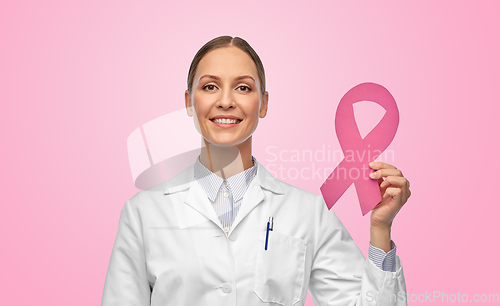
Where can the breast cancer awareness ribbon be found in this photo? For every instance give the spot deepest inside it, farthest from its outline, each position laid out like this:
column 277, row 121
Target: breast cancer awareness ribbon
column 359, row 152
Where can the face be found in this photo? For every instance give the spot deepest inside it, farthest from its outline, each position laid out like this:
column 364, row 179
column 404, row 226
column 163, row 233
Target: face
column 226, row 99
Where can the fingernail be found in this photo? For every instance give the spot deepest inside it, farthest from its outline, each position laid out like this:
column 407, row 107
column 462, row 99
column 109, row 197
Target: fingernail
column 373, row 174
column 372, row 164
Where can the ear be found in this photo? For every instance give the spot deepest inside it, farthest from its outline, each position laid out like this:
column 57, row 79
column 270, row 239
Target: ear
column 263, row 106
column 189, row 108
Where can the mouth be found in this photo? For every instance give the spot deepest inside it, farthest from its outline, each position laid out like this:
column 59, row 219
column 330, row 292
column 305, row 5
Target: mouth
column 226, row 121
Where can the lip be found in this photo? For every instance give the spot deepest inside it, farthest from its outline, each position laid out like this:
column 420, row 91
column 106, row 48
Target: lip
column 225, row 117
column 225, row 125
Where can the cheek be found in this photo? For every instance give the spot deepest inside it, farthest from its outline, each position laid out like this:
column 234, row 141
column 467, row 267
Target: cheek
column 200, row 113
column 251, row 108
column 201, row 107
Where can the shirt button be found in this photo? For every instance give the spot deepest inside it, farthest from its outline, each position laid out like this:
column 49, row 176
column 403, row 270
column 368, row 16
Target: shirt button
column 225, row 183
column 226, row 194
column 226, row 229
column 233, row 236
column 226, row 288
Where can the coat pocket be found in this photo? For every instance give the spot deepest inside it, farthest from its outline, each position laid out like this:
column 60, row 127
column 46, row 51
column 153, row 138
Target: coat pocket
column 279, row 271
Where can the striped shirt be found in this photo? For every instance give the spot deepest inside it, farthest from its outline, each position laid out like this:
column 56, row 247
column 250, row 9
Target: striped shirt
column 226, row 197
column 384, row 261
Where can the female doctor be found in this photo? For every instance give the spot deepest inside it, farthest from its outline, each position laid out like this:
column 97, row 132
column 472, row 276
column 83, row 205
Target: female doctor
column 202, row 237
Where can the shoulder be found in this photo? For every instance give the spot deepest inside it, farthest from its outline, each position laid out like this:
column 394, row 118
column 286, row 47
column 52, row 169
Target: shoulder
column 297, row 191
column 159, row 192
column 156, row 190
column 302, row 200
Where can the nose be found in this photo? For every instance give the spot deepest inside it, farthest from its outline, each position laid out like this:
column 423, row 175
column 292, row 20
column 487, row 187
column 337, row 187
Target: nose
column 226, row 100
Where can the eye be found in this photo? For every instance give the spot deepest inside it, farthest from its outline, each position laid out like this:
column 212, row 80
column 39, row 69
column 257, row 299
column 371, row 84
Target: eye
column 244, row 88
column 209, row 87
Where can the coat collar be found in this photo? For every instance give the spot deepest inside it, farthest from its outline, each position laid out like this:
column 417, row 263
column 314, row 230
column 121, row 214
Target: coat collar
column 211, row 182
column 198, row 200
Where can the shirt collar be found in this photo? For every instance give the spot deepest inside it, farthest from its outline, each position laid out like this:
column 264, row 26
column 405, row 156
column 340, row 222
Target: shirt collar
column 211, row 182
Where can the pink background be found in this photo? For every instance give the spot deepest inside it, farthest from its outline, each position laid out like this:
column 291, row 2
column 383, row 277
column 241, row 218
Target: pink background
column 77, row 78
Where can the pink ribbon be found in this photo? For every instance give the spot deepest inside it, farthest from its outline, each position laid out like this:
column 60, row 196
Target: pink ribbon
column 359, row 152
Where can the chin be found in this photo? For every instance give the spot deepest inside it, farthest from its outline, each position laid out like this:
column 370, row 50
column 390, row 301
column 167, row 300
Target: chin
column 225, row 142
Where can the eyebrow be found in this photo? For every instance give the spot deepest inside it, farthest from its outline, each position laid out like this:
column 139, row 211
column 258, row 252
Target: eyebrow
column 214, row 77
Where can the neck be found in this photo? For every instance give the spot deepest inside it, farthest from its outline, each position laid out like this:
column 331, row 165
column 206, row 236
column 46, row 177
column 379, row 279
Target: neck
column 226, row 161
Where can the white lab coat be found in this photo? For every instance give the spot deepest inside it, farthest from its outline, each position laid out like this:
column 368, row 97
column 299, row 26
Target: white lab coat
column 171, row 249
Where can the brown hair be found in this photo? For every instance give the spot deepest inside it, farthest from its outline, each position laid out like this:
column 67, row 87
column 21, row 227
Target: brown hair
column 226, row 41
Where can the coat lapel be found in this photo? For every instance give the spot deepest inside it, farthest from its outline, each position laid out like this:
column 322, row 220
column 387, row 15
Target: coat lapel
column 255, row 194
column 197, row 199
column 190, row 202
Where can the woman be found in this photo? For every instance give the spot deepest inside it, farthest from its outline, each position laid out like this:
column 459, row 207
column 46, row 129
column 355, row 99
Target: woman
column 202, row 238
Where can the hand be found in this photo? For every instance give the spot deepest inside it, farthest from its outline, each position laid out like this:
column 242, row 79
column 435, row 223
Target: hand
column 394, row 190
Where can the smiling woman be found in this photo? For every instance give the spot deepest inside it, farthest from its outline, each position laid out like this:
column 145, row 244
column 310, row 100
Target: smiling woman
column 227, row 97
column 224, row 231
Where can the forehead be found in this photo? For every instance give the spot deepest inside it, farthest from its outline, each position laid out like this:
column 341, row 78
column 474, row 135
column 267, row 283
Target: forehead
column 226, row 62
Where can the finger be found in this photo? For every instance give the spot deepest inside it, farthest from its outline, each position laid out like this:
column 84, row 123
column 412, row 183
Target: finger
column 393, row 192
column 395, row 181
column 380, row 165
column 385, row 173
column 400, row 195
column 382, row 187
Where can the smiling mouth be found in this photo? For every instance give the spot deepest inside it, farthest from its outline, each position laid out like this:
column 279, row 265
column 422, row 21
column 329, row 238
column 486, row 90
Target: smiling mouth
column 226, row 121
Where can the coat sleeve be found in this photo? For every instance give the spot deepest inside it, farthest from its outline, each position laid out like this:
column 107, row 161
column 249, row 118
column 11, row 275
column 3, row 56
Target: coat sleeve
column 340, row 275
column 126, row 280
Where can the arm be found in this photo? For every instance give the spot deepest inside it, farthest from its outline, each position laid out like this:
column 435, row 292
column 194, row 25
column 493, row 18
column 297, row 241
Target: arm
column 126, row 280
column 340, row 275
column 394, row 191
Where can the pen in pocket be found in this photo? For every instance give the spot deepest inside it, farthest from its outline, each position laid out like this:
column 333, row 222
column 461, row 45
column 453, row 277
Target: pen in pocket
column 269, row 228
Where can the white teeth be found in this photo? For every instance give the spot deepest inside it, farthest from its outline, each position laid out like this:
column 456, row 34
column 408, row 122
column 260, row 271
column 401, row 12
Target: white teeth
column 226, row 121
